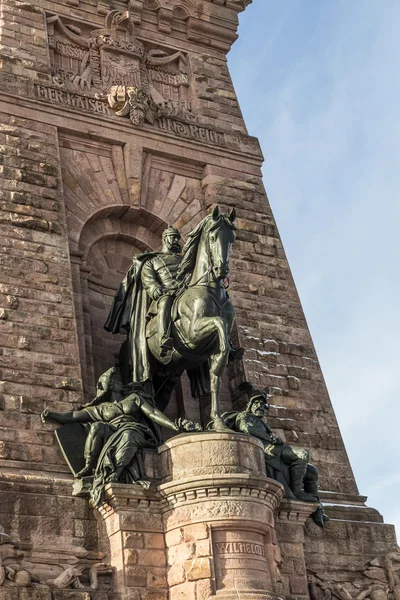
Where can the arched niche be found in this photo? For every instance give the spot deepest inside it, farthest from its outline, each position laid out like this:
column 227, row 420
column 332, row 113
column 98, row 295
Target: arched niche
column 108, row 242
column 105, row 266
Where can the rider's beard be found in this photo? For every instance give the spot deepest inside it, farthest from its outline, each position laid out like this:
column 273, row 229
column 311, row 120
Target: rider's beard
column 175, row 247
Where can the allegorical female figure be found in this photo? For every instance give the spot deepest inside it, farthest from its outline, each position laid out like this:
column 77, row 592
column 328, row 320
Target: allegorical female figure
column 118, row 432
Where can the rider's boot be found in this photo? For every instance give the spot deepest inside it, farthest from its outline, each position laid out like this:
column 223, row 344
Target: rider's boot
column 164, row 325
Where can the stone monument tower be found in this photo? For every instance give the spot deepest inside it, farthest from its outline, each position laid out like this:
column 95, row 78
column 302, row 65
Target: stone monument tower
column 119, row 118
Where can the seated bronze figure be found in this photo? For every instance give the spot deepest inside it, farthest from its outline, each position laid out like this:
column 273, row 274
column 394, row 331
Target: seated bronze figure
column 287, row 464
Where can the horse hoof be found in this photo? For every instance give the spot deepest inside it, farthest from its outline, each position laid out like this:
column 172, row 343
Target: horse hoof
column 219, row 426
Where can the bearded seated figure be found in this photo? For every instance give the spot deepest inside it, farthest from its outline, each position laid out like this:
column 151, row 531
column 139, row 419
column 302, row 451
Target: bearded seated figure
column 120, row 422
column 287, row 464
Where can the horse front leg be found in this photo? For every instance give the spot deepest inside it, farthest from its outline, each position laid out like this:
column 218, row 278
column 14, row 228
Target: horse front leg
column 205, row 327
column 201, row 330
column 215, row 413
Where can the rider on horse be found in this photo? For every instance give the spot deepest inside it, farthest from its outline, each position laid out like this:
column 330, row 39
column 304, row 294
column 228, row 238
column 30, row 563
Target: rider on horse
column 152, row 276
column 159, row 279
column 196, row 339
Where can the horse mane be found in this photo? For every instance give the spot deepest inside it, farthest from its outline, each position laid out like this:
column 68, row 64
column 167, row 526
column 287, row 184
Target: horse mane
column 189, row 250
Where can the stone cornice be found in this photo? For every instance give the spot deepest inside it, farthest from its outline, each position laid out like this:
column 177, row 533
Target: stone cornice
column 294, row 510
column 216, row 487
column 238, row 5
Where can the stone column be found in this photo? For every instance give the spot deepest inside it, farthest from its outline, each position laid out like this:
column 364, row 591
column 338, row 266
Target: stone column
column 290, row 529
column 134, row 535
column 218, row 517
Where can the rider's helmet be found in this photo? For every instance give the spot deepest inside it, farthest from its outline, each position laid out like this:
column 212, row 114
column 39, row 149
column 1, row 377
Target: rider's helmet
column 170, row 231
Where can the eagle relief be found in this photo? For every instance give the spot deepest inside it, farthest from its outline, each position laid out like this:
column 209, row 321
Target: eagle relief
column 110, row 71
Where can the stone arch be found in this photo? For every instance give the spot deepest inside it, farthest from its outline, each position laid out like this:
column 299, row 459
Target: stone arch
column 183, row 10
column 121, row 221
column 107, row 242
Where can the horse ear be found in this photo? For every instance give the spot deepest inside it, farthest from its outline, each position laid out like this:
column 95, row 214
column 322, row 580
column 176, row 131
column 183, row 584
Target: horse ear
column 216, row 212
column 232, row 215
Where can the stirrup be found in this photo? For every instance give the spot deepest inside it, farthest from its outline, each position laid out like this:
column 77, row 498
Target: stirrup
column 167, row 345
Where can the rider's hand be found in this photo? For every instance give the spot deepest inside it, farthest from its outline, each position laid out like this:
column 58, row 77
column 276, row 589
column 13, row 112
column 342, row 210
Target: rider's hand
column 171, row 289
column 45, row 416
column 158, row 293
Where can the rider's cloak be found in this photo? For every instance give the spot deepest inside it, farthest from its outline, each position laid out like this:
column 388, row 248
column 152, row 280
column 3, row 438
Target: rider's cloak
column 128, row 316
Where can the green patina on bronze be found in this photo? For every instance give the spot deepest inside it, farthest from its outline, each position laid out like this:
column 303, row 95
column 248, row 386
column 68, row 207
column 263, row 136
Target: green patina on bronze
column 287, row 464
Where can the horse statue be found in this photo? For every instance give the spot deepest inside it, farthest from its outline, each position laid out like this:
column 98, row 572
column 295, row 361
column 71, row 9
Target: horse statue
column 202, row 318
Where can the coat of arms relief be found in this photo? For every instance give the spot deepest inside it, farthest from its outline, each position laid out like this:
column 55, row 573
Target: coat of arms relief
column 143, row 82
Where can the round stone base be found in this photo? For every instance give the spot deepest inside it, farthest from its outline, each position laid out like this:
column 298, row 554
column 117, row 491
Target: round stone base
column 219, row 515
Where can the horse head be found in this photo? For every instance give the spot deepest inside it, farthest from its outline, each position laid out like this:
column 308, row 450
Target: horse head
column 219, row 234
column 208, row 247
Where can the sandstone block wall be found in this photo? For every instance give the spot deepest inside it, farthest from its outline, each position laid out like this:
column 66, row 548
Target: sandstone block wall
column 83, row 189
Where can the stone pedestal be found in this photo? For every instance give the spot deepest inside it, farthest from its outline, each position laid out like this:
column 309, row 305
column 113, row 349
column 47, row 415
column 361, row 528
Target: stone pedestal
column 134, row 529
column 218, row 517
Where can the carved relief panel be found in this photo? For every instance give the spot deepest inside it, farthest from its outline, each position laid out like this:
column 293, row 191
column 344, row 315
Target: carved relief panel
column 97, row 59
column 111, row 71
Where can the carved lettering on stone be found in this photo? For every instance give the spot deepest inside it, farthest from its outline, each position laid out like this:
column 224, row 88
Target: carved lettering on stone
column 239, row 548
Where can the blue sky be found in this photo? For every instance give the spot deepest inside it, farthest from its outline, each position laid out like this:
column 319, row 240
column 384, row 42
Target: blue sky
column 318, row 82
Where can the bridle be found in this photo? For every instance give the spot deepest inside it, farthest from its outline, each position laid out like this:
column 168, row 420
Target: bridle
column 210, row 270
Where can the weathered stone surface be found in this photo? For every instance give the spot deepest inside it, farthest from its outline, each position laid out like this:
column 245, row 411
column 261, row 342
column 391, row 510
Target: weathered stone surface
column 82, row 190
column 133, row 540
column 198, row 568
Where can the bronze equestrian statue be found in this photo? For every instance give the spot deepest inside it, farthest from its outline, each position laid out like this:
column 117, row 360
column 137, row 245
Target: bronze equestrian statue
column 191, row 335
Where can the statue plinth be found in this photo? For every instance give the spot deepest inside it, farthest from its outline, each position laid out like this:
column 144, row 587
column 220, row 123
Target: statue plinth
column 208, row 527
column 220, row 503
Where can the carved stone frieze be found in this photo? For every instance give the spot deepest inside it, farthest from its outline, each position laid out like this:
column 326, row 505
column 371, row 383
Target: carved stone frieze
column 379, row 579
column 110, row 71
column 23, row 565
column 84, row 60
